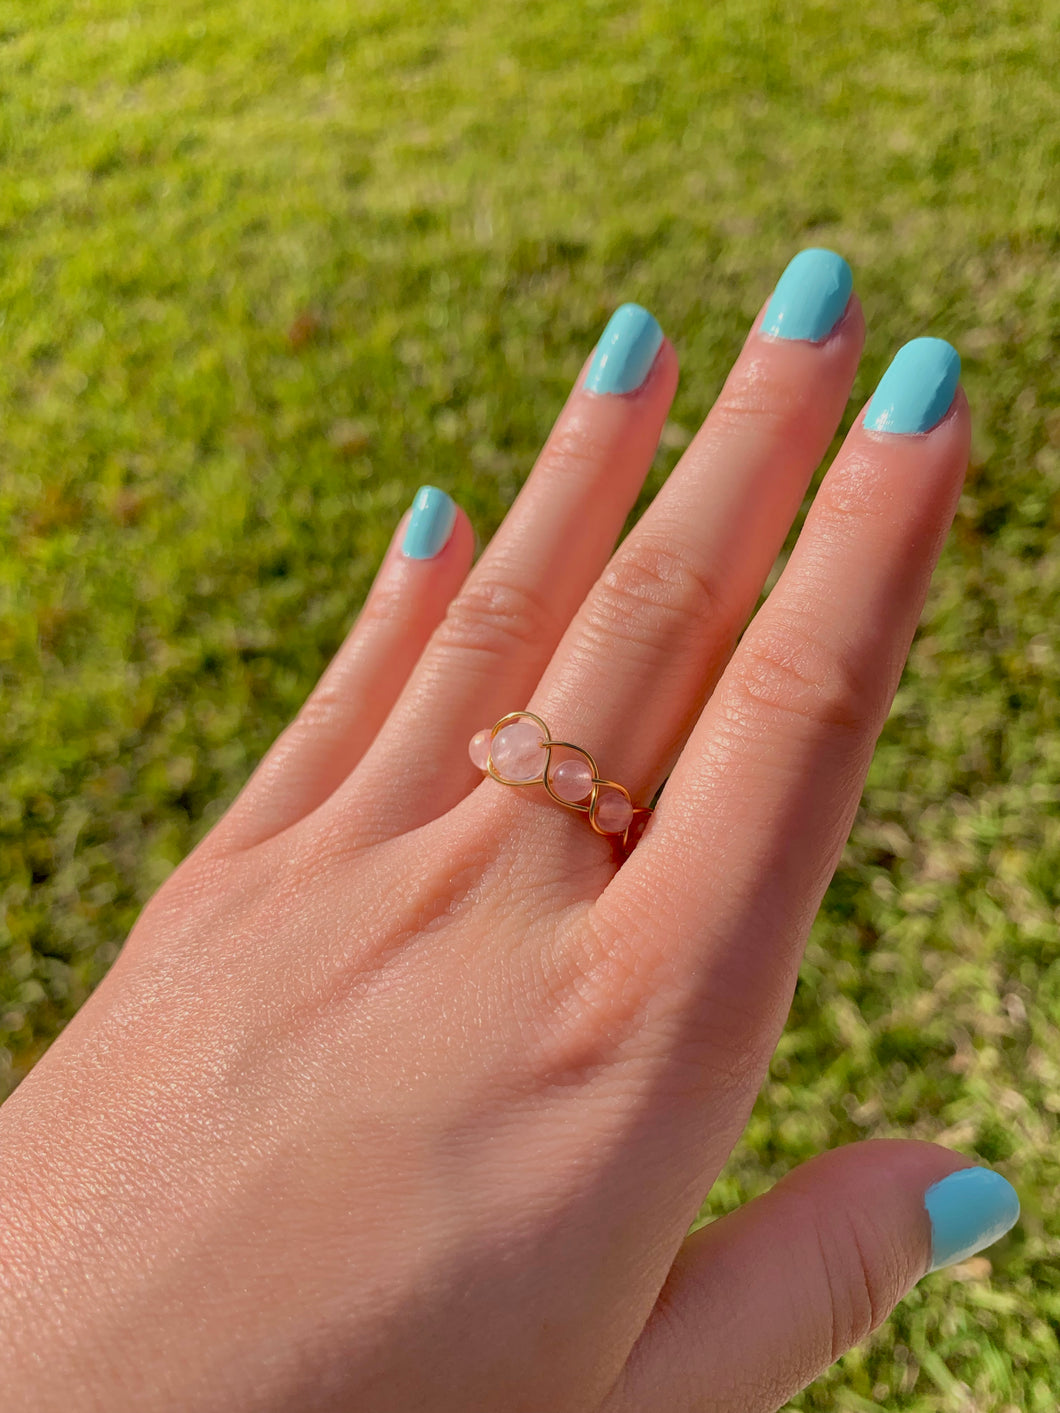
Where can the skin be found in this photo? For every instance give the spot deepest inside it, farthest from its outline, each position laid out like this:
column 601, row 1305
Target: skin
column 404, row 1089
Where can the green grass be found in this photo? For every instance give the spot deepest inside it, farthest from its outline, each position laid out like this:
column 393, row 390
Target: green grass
column 265, row 267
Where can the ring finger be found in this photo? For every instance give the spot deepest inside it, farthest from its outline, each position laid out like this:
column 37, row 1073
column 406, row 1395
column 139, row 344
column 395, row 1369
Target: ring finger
column 504, row 624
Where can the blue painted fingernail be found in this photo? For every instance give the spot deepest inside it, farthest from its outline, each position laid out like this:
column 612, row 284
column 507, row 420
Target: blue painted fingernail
column 626, row 351
column 917, row 389
column 430, row 524
column 810, row 297
column 969, row 1209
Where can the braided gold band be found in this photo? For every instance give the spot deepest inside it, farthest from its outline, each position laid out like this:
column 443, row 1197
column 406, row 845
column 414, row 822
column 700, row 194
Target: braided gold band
column 520, row 750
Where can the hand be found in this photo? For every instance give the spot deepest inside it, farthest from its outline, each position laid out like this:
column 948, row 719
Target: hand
column 405, row 1088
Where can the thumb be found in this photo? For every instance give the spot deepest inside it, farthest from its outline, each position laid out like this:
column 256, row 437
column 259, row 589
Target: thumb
column 762, row 1301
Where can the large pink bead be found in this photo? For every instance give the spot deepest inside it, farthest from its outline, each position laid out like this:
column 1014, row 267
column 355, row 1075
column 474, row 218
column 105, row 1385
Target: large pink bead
column 518, row 753
column 572, row 780
column 478, row 748
column 613, row 812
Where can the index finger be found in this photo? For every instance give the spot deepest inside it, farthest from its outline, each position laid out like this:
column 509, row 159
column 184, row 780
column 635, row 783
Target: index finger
column 755, row 816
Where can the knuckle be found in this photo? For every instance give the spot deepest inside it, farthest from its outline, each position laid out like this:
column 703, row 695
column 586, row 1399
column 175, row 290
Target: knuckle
column 862, row 1279
column 631, row 966
column 590, row 1008
column 387, row 602
column 328, row 700
column 757, row 395
column 496, row 617
column 575, row 449
column 853, row 492
column 605, row 1013
column 651, row 594
column 792, row 672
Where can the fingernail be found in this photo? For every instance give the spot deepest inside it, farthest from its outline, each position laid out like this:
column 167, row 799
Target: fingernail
column 917, row 389
column 969, row 1209
column 810, row 297
column 626, row 351
column 430, row 524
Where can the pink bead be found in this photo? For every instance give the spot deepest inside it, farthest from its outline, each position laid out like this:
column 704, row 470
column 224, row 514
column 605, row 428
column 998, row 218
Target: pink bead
column 613, row 812
column 518, row 753
column 572, row 780
column 478, row 749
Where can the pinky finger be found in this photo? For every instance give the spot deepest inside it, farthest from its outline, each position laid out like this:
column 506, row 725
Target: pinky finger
column 426, row 563
column 762, row 1301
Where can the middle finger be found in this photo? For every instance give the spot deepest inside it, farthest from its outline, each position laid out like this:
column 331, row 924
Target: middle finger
column 644, row 652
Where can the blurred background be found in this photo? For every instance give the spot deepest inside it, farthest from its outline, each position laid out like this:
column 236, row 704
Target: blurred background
column 264, row 268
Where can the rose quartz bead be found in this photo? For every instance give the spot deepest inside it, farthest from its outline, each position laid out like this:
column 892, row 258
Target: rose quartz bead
column 518, row 753
column 613, row 812
column 572, row 780
column 478, row 748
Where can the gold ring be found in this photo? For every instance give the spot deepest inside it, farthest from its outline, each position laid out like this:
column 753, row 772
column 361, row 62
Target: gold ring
column 511, row 752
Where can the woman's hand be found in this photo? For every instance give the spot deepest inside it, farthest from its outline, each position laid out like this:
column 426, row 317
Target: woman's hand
column 404, row 1090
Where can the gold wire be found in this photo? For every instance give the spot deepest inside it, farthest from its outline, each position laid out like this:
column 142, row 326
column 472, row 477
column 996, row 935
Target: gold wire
column 599, row 782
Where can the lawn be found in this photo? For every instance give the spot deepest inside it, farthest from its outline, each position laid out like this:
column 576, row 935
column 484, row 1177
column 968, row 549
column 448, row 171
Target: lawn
column 266, row 267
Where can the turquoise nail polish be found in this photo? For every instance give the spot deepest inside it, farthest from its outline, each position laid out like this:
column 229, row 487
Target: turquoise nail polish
column 969, row 1209
column 810, row 297
column 917, row 389
column 430, row 524
column 626, row 351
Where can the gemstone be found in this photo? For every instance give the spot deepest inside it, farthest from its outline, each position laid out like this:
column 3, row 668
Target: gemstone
column 572, row 780
column 479, row 749
column 613, row 812
column 518, row 753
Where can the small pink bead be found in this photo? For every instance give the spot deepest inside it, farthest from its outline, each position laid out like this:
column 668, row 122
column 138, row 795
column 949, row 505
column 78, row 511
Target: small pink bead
column 479, row 749
column 518, row 753
column 572, row 780
column 613, row 812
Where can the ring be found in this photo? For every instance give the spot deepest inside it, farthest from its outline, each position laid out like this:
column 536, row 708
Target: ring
column 511, row 752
